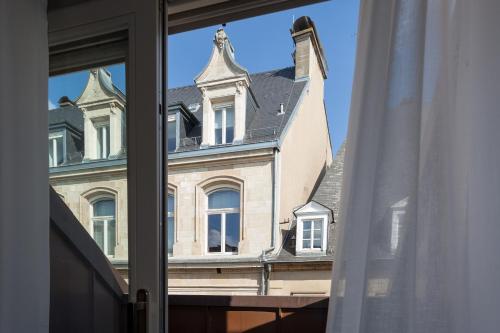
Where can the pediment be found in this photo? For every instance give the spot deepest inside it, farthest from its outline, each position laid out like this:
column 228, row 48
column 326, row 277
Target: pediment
column 222, row 64
column 313, row 207
column 99, row 87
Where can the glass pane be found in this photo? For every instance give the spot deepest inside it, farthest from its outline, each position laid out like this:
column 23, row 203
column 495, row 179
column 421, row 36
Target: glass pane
column 104, row 207
column 99, row 233
column 171, row 231
column 306, row 225
column 317, row 233
column 51, row 153
column 214, row 233
column 232, row 232
column 90, row 108
column 307, row 234
column 229, row 125
column 111, row 237
column 172, row 136
column 170, row 222
column 60, row 151
column 107, row 133
column 306, row 244
column 218, row 127
column 224, row 199
column 317, row 243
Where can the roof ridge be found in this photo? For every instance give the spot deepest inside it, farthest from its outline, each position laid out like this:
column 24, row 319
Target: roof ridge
column 251, row 74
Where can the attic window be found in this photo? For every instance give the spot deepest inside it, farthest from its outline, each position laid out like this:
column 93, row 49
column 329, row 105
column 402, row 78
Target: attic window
column 224, row 124
column 311, row 233
column 56, row 149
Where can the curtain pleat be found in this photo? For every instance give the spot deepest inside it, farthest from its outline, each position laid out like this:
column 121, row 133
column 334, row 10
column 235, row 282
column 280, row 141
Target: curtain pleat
column 420, row 214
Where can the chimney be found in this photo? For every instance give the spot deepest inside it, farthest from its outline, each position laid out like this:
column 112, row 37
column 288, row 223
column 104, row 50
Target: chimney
column 308, row 55
column 65, row 101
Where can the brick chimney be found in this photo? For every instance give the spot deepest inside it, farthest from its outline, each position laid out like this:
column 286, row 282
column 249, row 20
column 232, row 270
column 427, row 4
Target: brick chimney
column 308, row 55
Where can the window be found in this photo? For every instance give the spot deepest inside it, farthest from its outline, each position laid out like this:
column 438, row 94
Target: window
column 172, row 135
column 104, row 226
column 56, row 149
column 312, row 227
column 223, row 218
column 102, row 140
column 171, row 223
column 224, row 124
column 312, row 234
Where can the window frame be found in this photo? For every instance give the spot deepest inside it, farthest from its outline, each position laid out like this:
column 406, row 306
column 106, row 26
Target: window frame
column 223, row 212
column 105, row 220
column 52, row 137
column 222, row 107
column 174, row 118
column 300, row 233
column 99, row 125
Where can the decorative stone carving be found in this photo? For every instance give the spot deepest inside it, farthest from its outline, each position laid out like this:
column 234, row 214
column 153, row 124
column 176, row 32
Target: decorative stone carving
column 220, row 38
column 239, row 87
column 203, row 92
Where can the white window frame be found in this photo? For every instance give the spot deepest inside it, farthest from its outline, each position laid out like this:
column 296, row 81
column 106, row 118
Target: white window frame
column 102, row 127
column 172, row 118
column 106, row 220
column 300, row 233
column 222, row 212
column 222, row 108
column 53, row 137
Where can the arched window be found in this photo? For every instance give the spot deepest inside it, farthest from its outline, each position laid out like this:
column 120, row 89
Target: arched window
column 223, row 216
column 171, row 222
column 104, row 225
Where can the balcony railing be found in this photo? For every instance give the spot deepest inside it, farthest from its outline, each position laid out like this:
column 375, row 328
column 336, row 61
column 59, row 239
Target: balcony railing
column 251, row 136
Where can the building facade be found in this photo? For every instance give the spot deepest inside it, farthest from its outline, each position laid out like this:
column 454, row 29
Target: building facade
column 247, row 156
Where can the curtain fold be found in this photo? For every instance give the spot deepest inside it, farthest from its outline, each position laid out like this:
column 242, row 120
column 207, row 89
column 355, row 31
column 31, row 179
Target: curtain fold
column 419, row 224
column 24, row 190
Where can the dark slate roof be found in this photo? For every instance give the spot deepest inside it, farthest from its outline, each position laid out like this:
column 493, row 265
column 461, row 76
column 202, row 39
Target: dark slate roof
column 327, row 194
column 263, row 122
column 70, row 115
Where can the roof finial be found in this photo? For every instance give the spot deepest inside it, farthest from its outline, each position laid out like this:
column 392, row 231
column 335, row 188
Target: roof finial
column 220, row 37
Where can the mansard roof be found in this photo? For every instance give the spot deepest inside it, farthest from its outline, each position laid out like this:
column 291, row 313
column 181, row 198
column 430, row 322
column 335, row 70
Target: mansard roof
column 66, row 115
column 268, row 90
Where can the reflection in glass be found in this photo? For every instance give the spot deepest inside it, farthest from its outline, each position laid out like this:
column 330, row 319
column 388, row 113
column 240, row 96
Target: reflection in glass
column 218, row 127
column 104, row 225
column 214, row 233
column 223, row 221
column 171, row 221
column 172, row 136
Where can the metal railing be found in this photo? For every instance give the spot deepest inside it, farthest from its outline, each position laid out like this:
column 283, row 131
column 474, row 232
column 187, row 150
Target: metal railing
column 251, row 136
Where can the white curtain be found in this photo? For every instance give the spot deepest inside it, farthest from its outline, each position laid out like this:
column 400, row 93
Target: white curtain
column 419, row 231
column 24, row 204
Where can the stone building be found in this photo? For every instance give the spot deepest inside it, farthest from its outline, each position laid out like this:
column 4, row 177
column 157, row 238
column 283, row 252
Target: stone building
column 248, row 155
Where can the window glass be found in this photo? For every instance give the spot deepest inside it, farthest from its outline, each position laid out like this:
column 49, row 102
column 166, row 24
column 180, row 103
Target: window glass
column 172, row 136
column 87, row 118
column 104, row 226
column 170, row 222
column 232, row 232
column 218, row 127
column 224, row 199
column 104, row 207
column 214, row 233
column 312, row 234
column 56, row 150
column 103, row 137
column 229, row 124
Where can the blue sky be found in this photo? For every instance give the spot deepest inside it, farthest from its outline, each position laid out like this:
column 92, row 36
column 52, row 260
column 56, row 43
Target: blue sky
column 261, row 43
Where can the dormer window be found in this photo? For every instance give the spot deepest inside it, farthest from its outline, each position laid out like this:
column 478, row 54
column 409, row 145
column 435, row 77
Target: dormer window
column 172, row 134
column 103, row 137
column 56, row 149
column 224, row 124
column 312, row 228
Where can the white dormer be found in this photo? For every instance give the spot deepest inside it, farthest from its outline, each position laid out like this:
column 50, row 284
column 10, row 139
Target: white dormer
column 312, row 228
column 224, row 86
column 103, row 107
